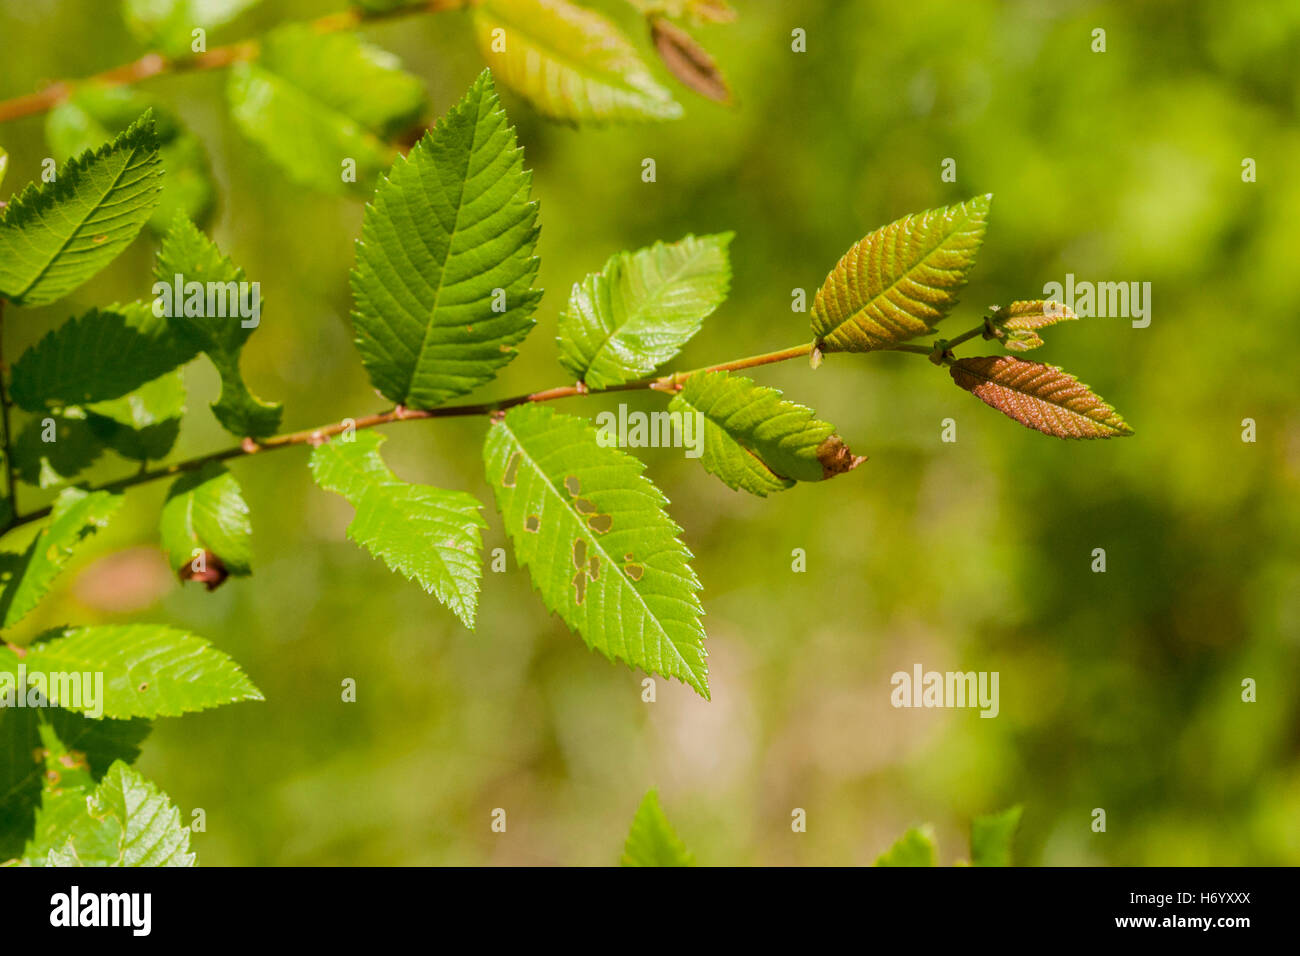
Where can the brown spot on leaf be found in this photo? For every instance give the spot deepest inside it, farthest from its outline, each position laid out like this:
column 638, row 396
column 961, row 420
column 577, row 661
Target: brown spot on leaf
column 593, row 568
column 584, row 507
column 688, row 61
column 100, row 239
column 836, row 458
column 580, row 585
column 633, row 571
column 572, row 485
column 600, row 523
column 532, row 523
column 579, row 552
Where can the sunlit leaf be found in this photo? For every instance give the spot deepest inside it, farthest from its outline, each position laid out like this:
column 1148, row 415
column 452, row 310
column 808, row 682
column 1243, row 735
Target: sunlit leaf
column 1039, row 396
column 169, row 25
column 991, row 837
column 900, row 280
column 188, row 256
column 594, row 535
column 637, row 313
column 26, row 578
column 427, row 534
column 914, row 848
column 652, row 840
column 756, row 441
column 95, row 113
column 148, row 670
column 445, row 264
column 569, row 62
column 205, row 528
column 55, row 236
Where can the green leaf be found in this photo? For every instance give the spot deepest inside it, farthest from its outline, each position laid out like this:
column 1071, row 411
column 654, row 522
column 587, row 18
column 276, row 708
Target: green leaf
column 991, row 837
column 316, row 102
column 187, row 256
column 899, row 281
column 4, row 165
column 569, row 62
column 594, row 535
column 126, row 821
column 148, row 671
column 445, row 264
column 638, row 312
column 24, row 733
column 55, row 236
column 51, row 450
column 95, row 113
column 756, row 441
column 168, row 25
column 424, row 533
column 26, row 578
column 1041, row 397
column 101, row 355
column 143, row 425
column 205, row 528
column 914, row 848
column 652, row 840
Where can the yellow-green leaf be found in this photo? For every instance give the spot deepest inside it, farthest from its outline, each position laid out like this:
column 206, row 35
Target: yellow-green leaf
column 899, row 281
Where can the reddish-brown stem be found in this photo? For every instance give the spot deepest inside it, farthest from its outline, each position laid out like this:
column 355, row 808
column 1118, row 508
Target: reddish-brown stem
column 315, row 436
column 155, row 64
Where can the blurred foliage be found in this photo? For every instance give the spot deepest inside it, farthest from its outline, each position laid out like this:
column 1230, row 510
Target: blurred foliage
column 1119, row 690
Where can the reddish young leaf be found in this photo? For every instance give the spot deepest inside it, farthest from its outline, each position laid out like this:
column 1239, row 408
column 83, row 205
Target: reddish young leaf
column 688, row 61
column 1039, row 396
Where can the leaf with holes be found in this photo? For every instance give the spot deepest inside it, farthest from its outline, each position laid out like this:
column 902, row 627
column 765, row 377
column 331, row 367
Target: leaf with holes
column 991, row 837
column 569, row 62
column 212, row 308
column 424, row 533
column 148, row 671
column 205, row 528
column 23, row 734
column 594, row 535
column 639, row 311
column 26, row 578
column 899, row 281
column 1039, row 396
column 55, row 236
column 125, row 821
column 754, row 440
column 445, row 264
column 324, row 106
column 914, row 848
column 652, row 840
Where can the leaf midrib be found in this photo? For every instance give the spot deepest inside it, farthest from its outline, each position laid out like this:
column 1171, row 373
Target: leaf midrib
column 95, row 208
column 596, row 544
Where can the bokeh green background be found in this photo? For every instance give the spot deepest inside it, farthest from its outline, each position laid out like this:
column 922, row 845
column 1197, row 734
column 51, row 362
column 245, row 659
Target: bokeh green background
column 1119, row 690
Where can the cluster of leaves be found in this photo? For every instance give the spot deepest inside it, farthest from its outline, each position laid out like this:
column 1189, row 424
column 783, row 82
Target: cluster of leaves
column 652, row 841
column 443, row 292
column 332, row 111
